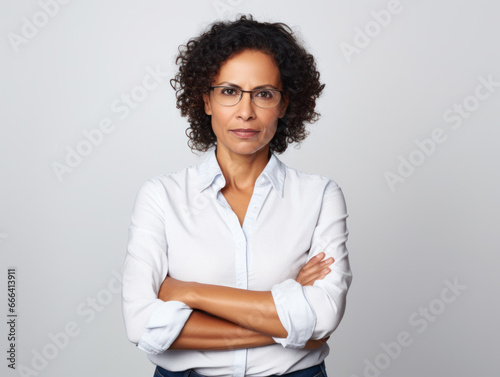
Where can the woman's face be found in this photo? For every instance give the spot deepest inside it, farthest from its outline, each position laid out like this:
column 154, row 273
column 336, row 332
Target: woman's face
column 245, row 128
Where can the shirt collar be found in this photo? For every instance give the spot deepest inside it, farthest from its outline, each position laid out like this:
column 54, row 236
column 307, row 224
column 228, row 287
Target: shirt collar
column 210, row 172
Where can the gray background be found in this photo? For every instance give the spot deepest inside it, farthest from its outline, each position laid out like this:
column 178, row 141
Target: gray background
column 67, row 238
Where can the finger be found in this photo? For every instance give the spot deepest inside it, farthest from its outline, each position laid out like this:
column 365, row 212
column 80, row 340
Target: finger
column 320, row 275
column 314, row 260
column 315, row 271
column 318, row 257
column 317, row 268
column 325, row 271
column 328, row 261
column 317, row 260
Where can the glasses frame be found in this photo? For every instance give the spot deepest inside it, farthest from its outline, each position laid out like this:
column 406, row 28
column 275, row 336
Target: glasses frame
column 251, row 95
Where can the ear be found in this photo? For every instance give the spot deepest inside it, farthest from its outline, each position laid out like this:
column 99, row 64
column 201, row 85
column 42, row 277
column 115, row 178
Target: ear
column 284, row 105
column 208, row 106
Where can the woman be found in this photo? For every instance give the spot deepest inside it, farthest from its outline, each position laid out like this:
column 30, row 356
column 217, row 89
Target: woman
column 238, row 266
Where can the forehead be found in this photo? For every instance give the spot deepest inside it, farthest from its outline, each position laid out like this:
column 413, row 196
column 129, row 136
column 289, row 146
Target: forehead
column 249, row 67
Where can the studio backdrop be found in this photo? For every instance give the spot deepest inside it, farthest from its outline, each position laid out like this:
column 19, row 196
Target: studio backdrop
column 409, row 129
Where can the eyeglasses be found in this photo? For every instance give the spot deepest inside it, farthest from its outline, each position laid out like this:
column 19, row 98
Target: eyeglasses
column 230, row 96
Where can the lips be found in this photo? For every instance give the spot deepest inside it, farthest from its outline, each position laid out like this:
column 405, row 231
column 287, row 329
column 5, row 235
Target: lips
column 244, row 132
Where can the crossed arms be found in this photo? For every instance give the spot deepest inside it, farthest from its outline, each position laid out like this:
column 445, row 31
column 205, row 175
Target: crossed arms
column 231, row 318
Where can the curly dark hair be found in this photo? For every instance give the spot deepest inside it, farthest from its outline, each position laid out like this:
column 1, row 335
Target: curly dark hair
column 200, row 59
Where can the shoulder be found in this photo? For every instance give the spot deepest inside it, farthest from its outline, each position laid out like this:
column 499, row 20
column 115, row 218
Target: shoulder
column 309, row 180
column 162, row 184
column 312, row 189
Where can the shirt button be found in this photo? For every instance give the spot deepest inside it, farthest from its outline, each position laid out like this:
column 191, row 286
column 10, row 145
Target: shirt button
column 262, row 180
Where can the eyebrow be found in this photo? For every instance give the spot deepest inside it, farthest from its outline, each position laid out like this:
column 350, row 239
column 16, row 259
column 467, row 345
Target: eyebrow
column 257, row 87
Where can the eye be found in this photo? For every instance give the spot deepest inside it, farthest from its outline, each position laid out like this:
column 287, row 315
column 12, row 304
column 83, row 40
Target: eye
column 229, row 91
column 264, row 94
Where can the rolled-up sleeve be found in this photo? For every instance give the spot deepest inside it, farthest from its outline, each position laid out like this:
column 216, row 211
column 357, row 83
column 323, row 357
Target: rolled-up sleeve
column 314, row 312
column 150, row 323
column 294, row 312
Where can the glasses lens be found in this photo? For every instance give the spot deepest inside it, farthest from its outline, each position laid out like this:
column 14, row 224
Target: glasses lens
column 266, row 97
column 227, row 96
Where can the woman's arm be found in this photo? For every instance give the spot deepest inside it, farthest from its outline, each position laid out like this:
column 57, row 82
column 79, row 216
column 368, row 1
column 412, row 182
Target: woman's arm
column 254, row 311
column 203, row 331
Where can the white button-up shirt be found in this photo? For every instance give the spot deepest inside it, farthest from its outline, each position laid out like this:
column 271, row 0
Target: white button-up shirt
column 183, row 226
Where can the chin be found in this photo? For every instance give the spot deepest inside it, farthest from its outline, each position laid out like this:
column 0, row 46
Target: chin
column 248, row 149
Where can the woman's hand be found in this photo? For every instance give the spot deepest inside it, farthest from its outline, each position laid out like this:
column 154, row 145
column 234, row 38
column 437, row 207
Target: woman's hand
column 315, row 269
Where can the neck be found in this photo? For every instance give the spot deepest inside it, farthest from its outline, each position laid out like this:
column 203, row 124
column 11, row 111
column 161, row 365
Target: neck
column 241, row 171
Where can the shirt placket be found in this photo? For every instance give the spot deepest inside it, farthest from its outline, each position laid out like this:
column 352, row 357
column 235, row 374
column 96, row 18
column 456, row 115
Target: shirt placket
column 240, row 235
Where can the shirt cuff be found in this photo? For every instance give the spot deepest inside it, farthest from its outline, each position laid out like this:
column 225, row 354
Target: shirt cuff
column 164, row 326
column 294, row 312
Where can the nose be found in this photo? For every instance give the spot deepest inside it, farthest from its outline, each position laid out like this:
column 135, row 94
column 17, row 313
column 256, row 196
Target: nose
column 246, row 107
